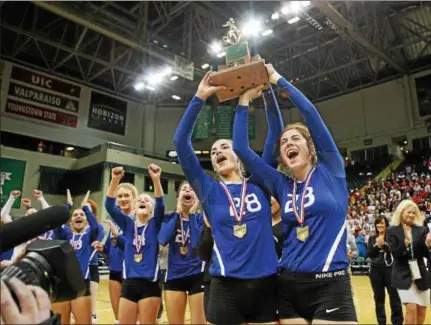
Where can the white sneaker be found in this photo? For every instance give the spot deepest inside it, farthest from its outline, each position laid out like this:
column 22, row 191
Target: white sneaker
column 94, row 319
column 159, row 320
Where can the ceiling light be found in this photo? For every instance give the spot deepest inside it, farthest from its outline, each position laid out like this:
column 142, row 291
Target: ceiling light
column 70, row 148
column 305, row 3
column 205, row 66
column 154, row 78
column 176, row 97
column 267, row 32
column 150, row 87
column 295, row 6
column 221, row 54
column 275, row 16
column 167, row 71
column 156, row 42
column 139, row 86
column 165, row 46
column 293, row 20
column 216, row 47
column 285, row 9
column 173, row 78
column 252, row 27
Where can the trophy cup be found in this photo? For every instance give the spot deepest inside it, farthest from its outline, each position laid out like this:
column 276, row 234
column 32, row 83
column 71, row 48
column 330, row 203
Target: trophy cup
column 241, row 71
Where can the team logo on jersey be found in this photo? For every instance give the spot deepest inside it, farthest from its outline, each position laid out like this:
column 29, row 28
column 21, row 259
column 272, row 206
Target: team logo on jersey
column 309, row 200
column 252, row 204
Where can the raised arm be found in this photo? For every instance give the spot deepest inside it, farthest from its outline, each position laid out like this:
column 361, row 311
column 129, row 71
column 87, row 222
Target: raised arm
column 110, row 205
column 159, row 209
column 326, row 148
column 275, row 128
column 167, row 230
column 192, row 169
column 5, row 211
column 261, row 172
column 39, row 196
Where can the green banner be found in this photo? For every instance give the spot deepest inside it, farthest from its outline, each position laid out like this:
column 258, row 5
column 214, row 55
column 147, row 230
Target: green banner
column 12, row 178
column 252, row 124
column 224, row 122
column 202, row 129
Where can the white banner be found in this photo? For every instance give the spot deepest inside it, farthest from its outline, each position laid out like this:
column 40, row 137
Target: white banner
column 183, row 67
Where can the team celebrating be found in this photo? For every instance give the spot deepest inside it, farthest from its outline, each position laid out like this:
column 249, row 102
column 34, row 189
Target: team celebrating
column 268, row 248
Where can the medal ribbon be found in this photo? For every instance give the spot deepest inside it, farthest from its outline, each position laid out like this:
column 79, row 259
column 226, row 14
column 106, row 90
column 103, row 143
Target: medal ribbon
column 184, row 236
column 232, row 203
column 141, row 242
column 76, row 242
column 301, row 217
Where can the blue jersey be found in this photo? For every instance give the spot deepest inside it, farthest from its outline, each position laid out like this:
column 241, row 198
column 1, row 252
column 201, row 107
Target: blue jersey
column 49, row 235
column 147, row 267
column 95, row 253
column 114, row 248
column 81, row 242
column 180, row 265
column 254, row 255
column 6, row 256
column 325, row 201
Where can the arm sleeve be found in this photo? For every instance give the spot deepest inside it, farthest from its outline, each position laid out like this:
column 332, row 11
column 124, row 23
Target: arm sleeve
column 5, row 211
column 114, row 211
column 92, row 221
column 372, row 249
column 261, row 172
column 190, row 165
column 275, row 128
column 63, row 233
column 397, row 247
column 168, row 229
column 206, row 243
column 326, row 148
column 121, row 241
column 101, row 233
column 159, row 210
column 43, row 203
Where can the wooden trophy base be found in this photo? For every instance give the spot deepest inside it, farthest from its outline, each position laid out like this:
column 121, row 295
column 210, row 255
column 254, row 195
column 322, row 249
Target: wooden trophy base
column 239, row 79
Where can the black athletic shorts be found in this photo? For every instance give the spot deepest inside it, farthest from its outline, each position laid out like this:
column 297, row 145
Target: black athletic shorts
column 94, row 273
column 87, row 292
column 323, row 296
column 138, row 289
column 191, row 284
column 116, row 276
column 239, row 301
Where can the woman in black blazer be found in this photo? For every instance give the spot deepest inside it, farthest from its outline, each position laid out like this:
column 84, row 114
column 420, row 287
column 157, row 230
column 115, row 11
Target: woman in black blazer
column 409, row 243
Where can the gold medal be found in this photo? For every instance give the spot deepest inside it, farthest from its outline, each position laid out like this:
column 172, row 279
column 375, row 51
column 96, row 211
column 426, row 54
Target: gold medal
column 114, row 242
column 302, row 233
column 184, row 250
column 137, row 258
column 240, row 230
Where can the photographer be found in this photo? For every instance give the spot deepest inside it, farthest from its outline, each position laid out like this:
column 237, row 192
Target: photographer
column 32, row 306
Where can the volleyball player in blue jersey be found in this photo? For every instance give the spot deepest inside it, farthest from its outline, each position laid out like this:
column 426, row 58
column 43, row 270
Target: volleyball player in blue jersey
column 81, row 237
column 184, row 274
column 314, row 285
column 244, row 263
column 141, row 291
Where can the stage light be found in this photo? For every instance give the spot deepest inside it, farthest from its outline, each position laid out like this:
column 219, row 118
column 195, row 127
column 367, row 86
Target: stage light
column 176, row 97
column 293, row 20
column 275, row 16
column 173, row 78
column 205, row 66
column 139, row 86
column 252, row 27
column 267, row 32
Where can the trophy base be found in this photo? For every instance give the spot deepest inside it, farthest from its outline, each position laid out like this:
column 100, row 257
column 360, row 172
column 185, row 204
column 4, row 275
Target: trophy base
column 239, row 79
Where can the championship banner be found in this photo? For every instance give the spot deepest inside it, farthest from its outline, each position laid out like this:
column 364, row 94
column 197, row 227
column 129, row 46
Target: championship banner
column 12, row 178
column 43, row 97
column 107, row 113
column 44, row 81
column 423, row 92
column 41, row 113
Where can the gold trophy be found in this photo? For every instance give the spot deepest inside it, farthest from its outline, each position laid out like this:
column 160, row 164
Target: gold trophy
column 241, row 71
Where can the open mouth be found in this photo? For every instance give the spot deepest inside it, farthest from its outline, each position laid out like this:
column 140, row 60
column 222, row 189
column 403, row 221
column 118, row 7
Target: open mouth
column 220, row 159
column 292, row 153
column 187, row 197
column 142, row 206
column 79, row 222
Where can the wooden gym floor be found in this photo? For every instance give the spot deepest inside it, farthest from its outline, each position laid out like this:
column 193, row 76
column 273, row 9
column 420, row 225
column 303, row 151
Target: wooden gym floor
column 363, row 296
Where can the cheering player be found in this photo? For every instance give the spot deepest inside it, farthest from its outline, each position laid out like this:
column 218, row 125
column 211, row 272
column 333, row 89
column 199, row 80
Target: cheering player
column 314, row 285
column 141, row 291
column 244, row 263
column 184, row 274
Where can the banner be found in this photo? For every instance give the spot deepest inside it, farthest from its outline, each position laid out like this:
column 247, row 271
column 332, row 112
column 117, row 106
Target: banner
column 183, row 67
column 203, row 124
column 224, row 122
column 107, row 113
column 423, row 92
column 43, row 97
column 44, row 81
column 12, row 178
column 41, row 113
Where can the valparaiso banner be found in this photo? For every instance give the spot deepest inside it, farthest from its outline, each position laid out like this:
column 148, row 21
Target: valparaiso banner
column 12, row 178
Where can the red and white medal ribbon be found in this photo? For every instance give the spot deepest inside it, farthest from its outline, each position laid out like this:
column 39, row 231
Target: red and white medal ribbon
column 232, row 203
column 141, row 241
column 75, row 243
column 301, row 217
column 184, row 236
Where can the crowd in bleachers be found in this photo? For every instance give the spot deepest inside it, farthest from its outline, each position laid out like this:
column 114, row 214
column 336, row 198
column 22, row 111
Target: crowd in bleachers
column 411, row 180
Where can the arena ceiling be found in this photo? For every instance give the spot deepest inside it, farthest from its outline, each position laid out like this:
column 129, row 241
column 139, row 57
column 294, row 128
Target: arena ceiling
column 334, row 48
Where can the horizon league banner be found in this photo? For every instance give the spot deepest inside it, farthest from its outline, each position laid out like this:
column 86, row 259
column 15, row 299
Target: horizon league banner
column 47, row 82
column 107, row 113
column 12, row 178
column 43, row 97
